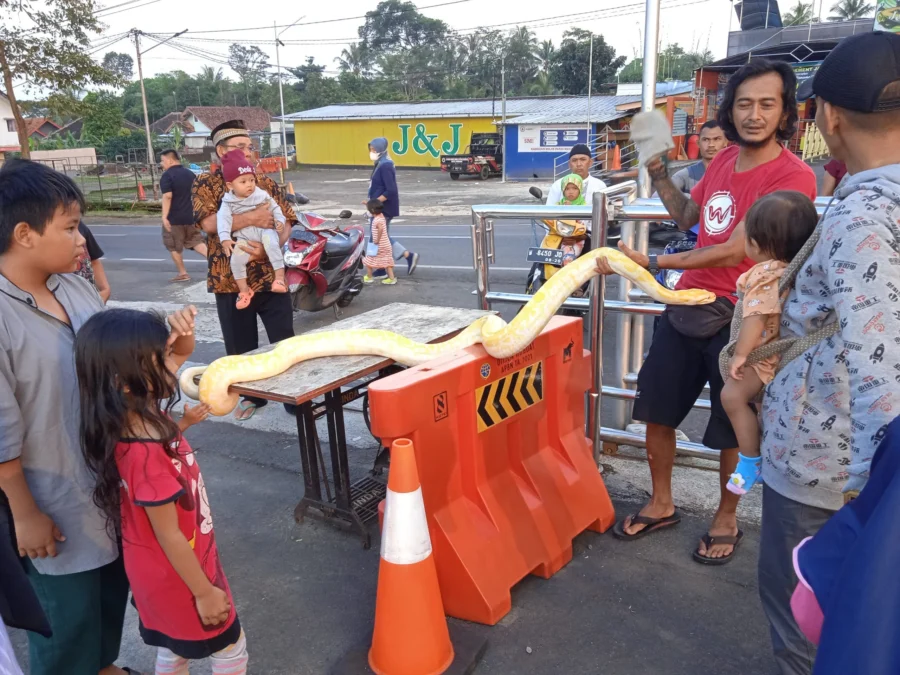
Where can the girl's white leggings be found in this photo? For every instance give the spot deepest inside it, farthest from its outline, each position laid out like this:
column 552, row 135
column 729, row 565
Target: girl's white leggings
column 230, row 661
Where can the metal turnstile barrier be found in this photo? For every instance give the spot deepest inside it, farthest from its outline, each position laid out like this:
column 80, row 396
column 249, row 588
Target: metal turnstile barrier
column 616, row 204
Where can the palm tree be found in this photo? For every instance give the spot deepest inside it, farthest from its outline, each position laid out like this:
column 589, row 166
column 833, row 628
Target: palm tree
column 210, row 75
column 800, row 14
column 545, row 54
column 351, row 60
column 542, row 85
column 848, row 10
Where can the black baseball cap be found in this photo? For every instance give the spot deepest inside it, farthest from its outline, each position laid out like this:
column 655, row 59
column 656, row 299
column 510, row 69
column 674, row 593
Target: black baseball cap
column 855, row 73
column 580, row 149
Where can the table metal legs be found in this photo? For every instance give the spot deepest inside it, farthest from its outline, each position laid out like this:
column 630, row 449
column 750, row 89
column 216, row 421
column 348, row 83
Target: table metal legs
column 354, row 505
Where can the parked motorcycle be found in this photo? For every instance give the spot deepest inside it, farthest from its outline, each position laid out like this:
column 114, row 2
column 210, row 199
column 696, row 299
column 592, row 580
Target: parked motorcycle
column 687, row 242
column 322, row 261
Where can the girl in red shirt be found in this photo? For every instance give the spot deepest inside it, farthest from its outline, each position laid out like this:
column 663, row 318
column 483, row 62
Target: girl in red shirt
column 150, row 486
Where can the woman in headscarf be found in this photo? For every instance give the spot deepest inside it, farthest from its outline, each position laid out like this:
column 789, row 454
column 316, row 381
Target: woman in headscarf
column 383, row 187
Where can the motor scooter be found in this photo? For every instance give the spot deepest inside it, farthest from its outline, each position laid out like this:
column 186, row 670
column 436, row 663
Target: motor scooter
column 563, row 241
column 322, row 262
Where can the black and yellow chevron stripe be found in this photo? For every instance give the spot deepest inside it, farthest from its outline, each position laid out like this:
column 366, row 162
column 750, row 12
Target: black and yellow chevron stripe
column 508, row 396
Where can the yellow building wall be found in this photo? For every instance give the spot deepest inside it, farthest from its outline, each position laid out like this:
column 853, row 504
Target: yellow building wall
column 411, row 142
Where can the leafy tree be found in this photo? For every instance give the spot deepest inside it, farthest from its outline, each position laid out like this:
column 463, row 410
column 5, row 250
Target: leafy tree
column 45, row 43
column 569, row 67
column 542, row 85
column 395, row 26
column 522, row 60
column 103, row 118
column 119, row 64
column 250, row 63
column 848, row 10
column 673, row 63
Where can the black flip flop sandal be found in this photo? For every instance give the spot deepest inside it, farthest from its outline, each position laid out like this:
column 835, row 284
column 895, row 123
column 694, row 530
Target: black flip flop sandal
column 710, row 541
column 652, row 525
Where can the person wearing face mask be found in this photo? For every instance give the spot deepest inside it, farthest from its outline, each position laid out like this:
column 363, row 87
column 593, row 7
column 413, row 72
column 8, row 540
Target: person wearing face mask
column 383, row 187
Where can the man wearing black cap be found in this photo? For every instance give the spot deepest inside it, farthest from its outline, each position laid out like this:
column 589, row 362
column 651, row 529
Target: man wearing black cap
column 580, row 161
column 825, row 413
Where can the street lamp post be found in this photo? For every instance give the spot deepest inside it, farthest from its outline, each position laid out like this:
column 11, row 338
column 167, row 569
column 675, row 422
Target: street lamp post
column 279, row 43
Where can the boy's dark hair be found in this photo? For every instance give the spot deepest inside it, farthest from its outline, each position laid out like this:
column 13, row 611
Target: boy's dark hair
column 710, row 124
column 781, row 222
column 31, row 193
column 788, row 97
column 375, row 206
column 171, row 151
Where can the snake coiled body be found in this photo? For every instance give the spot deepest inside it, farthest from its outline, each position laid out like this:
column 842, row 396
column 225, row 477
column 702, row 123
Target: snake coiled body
column 499, row 338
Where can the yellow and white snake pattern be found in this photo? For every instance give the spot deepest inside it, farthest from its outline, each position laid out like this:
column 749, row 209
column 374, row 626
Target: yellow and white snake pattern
column 499, row 339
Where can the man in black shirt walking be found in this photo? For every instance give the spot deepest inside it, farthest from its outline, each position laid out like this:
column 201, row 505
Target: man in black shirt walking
column 180, row 230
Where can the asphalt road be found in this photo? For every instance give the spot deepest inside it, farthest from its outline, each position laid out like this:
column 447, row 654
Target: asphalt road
column 444, row 245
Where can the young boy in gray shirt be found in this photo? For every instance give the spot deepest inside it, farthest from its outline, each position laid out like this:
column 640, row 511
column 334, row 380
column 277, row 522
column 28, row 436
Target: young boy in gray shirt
column 71, row 558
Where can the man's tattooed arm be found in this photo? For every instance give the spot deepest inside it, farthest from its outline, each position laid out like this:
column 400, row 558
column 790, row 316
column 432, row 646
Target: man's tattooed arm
column 684, row 211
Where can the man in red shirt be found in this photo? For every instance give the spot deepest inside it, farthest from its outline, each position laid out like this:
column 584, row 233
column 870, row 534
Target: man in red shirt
column 758, row 113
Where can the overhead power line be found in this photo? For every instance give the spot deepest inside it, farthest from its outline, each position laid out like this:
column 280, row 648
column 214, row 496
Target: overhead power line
column 343, row 18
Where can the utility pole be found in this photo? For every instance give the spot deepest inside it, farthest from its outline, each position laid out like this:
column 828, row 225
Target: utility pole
column 503, row 110
column 151, row 159
column 199, row 100
column 175, row 98
column 279, row 43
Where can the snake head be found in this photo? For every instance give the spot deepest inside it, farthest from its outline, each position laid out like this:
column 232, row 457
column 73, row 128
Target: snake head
column 190, row 381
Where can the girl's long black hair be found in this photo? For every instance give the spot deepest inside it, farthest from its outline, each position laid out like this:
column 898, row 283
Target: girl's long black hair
column 120, row 358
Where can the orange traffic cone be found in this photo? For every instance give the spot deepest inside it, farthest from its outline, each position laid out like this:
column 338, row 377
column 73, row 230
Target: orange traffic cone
column 411, row 636
column 290, row 188
column 141, row 196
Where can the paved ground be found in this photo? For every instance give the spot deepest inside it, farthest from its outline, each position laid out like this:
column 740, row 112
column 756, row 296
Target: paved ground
column 306, row 592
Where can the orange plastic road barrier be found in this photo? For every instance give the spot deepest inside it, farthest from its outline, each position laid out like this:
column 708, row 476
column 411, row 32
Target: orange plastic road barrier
column 507, row 475
column 411, row 636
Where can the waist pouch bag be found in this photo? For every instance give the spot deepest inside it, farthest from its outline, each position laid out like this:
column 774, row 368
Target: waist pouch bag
column 701, row 321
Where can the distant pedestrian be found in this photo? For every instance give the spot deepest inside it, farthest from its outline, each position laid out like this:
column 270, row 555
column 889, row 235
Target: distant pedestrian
column 149, row 486
column 383, row 187
column 180, row 230
column 384, row 257
column 90, row 266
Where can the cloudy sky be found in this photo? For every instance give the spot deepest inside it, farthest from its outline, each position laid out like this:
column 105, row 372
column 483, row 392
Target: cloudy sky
column 691, row 23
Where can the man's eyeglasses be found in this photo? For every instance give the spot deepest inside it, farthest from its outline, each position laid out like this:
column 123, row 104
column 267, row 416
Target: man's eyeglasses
column 243, row 147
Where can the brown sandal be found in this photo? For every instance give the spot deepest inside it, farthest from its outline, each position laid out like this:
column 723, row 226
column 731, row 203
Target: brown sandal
column 181, row 277
column 652, row 525
column 709, row 541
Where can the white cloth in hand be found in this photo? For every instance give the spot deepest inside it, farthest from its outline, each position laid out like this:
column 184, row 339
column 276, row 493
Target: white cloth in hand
column 651, row 135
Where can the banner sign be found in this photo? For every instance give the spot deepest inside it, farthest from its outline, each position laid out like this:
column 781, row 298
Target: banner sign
column 558, row 138
column 887, row 16
column 804, row 71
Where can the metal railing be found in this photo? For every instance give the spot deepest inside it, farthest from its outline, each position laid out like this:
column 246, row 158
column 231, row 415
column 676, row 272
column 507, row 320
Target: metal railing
column 615, row 204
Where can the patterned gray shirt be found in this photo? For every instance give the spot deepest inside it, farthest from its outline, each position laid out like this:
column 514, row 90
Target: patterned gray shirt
column 40, row 416
column 826, row 411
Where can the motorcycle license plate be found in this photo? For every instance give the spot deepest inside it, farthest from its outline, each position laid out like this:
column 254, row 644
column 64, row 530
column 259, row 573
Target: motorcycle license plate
column 547, row 256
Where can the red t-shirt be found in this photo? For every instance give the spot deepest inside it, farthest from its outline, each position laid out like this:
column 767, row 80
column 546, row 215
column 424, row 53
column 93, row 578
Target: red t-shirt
column 725, row 196
column 151, row 478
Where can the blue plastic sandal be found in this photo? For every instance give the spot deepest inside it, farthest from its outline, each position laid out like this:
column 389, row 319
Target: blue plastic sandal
column 745, row 475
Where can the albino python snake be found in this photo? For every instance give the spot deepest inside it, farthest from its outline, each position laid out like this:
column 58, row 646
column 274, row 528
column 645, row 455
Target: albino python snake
column 500, row 339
